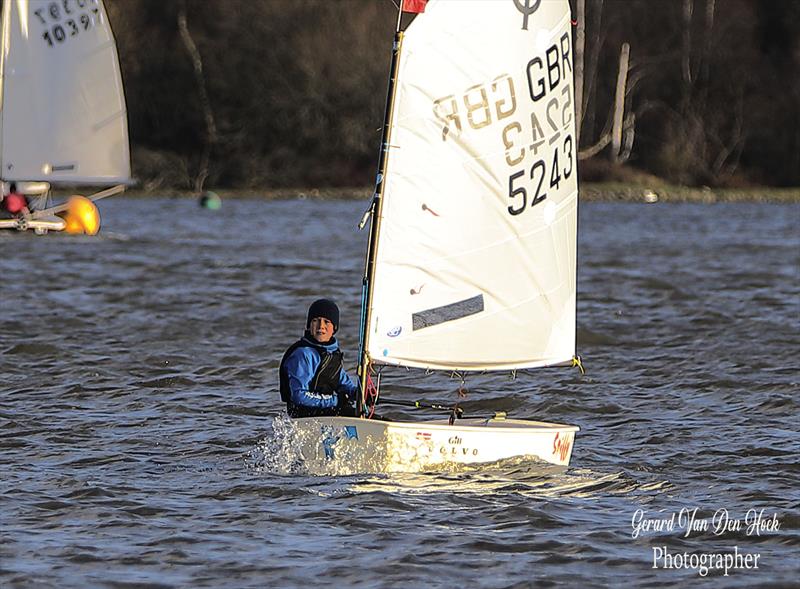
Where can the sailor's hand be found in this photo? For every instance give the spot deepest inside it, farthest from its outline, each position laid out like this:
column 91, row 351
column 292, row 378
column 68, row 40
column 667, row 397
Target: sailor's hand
column 343, row 401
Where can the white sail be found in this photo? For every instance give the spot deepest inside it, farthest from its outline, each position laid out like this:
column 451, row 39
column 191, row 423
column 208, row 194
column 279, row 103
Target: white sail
column 62, row 106
column 476, row 255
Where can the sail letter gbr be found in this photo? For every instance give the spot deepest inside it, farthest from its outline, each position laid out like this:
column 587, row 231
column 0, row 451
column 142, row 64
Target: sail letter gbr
column 545, row 77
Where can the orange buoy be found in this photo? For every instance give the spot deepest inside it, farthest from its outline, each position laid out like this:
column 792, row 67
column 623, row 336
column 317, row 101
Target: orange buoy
column 81, row 216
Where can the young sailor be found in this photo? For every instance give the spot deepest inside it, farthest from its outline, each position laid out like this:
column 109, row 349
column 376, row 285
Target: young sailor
column 312, row 379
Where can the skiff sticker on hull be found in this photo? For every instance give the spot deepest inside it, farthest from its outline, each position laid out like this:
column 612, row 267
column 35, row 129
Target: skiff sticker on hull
column 445, row 313
column 562, row 445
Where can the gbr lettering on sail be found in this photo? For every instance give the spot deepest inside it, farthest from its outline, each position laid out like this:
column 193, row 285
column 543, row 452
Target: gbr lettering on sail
column 532, row 124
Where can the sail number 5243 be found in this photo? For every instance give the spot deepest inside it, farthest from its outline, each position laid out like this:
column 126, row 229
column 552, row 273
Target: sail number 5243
column 560, row 168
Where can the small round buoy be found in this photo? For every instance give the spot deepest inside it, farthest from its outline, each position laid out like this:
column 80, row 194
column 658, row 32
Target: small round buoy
column 650, row 196
column 81, row 216
column 210, row 200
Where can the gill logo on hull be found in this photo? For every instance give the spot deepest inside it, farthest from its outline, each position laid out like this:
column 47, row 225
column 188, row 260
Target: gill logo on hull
column 456, row 449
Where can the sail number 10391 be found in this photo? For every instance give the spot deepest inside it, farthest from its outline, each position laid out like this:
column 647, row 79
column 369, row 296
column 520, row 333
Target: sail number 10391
column 558, row 170
column 66, row 18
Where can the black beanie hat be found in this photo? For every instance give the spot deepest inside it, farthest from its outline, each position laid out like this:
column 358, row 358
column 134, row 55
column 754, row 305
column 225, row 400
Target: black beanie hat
column 324, row 308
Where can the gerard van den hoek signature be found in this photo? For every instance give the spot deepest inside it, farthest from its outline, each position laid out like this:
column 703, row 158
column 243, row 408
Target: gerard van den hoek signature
column 686, row 520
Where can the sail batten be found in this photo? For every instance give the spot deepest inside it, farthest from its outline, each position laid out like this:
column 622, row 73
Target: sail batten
column 475, row 261
column 62, row 108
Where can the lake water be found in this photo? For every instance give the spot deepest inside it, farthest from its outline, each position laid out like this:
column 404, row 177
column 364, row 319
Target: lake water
column 139, row 395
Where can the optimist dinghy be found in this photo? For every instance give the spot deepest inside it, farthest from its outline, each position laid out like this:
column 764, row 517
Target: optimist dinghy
column 62, row 110
column 471, row 264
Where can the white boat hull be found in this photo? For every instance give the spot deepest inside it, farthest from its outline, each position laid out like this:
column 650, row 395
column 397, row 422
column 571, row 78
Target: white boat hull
column 42, row 225
column 397, row 446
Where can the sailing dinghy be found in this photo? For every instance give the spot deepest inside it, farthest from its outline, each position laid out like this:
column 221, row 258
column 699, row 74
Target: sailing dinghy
column 471, row 264
column 62, row 110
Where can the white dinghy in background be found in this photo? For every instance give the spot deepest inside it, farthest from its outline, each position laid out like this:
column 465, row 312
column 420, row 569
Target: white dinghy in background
column 471, row 263
column 63, row 119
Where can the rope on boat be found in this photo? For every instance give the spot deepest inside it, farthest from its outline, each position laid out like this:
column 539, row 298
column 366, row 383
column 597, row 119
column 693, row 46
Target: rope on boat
column 372, row 392
column 455, row 411
column 462, row 388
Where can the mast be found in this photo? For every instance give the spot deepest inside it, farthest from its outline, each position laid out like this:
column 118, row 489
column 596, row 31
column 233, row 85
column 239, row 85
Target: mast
column 5, row 26
column 375, row 213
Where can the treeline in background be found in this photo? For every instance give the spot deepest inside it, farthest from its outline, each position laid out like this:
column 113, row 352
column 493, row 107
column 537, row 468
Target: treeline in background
column 290, row 93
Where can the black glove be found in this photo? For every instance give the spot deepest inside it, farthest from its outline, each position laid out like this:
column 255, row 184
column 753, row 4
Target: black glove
column 342, row 400
column 343, row 406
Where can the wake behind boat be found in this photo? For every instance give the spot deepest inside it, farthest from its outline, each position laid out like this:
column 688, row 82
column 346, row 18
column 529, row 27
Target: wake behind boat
column 63, row 119
column 471, row 264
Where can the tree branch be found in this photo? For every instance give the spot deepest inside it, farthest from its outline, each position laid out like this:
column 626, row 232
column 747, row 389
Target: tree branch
column 211, row 129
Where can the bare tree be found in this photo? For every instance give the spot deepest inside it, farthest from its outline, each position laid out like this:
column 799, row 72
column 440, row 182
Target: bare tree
column 619, row 127
column 205, row 103
column 271, row 96
column 619, row 105
column 580, row 46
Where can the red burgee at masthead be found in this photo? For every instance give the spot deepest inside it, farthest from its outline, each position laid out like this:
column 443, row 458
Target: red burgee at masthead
column 414, row 5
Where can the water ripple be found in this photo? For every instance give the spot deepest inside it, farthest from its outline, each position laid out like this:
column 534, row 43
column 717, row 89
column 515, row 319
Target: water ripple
column 143, row 442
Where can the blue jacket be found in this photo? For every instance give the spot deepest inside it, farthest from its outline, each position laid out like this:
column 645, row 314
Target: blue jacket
column 301, row 366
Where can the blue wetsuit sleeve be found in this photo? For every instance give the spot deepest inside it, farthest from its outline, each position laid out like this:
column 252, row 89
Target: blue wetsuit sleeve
column 347, row 385
column 301, row 366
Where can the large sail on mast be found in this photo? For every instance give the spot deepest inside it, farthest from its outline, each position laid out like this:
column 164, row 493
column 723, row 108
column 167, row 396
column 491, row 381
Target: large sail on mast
column 475, row 264
column 62, row 107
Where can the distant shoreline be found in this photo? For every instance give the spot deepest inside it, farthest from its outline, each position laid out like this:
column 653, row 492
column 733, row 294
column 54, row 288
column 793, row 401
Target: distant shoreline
column 589, row 192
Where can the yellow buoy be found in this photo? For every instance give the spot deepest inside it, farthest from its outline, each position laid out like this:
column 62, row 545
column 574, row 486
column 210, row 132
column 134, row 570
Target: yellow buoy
column 81, row 216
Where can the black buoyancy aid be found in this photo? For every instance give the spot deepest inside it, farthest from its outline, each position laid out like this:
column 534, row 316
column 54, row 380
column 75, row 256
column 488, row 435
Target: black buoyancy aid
column 326, row 378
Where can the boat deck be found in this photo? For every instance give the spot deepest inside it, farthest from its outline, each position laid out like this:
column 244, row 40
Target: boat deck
column 492, row 423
